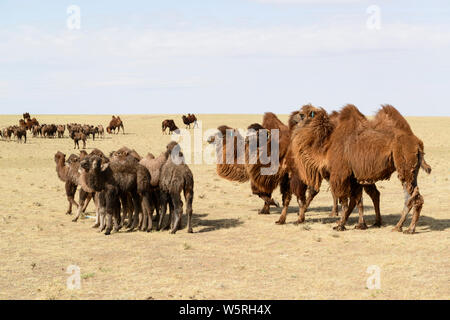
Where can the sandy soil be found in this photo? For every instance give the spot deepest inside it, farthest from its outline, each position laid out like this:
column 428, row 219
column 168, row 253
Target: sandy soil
column 234, row 253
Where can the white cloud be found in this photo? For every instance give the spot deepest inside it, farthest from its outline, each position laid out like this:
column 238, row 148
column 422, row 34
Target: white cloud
column 147, row 46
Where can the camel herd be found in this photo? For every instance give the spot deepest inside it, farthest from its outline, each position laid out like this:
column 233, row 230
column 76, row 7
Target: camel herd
column 127, row 188
column 77, row 132
column 345, row 148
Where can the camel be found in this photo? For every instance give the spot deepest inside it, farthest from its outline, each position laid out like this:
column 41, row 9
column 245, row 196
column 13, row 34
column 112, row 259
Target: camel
column 374, row 149
column 68, row 173
column 176, row 177
column 169, row 124
column 60, row 130
column 251, row 167
column 299, row 187
column 115, row 123
column 20, row 132
column 154, row 166
column 190, row 118
column 76, row 137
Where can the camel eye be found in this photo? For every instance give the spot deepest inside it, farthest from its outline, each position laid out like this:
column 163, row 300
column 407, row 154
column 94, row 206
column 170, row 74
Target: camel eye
column 312, row 114
column 302, row 116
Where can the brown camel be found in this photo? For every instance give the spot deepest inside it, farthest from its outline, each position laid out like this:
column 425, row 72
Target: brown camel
column 68, row 173
column 176, row 177
column 299, row 187
column 115, row 123
column 169, row 124
column 355, row 152
column 247, row 165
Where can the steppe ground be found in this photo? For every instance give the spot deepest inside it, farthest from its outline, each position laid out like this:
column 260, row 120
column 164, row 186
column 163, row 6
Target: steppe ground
column 234, row 253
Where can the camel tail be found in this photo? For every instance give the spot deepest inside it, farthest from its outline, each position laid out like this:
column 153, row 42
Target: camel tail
column 425, row 166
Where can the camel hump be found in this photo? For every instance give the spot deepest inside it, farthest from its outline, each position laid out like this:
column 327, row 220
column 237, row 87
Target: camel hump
column 389, row 115
column 351, row 112
column 271, row 121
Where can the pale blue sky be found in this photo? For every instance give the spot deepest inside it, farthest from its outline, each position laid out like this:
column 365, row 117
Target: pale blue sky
column 227, row 56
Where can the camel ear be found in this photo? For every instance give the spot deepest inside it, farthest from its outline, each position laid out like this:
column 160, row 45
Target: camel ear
column 105, row 166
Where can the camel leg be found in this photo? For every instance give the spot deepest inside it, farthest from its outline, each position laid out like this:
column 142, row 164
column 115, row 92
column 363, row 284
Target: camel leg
column 346, row 210
column 268, row 201
column 117, row 221
column 286, row 198
column 108, row 221
column 178, row 211
column 83, row 195
column 136, row 203
column 97, row 214
column 334, row 211
column 305, row 204
column 361, row 222
column 417, row 203
column 86, row 202
column 164, row 201
column 406, row 208
column 70, row 192
column 374, row 194
column 102, row 214
column 147, row 214
column 156, row 200
column 189, row 197
column 169, row 223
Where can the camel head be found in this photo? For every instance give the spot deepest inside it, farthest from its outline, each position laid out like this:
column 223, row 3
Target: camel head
column 307, row 114
column 222, row 133
column 93, row 163
column 83, row 154
column 73, row 158
column 59, row 156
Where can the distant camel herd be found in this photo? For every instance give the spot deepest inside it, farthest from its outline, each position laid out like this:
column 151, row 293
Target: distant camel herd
column 345, row 148
column 77, row 132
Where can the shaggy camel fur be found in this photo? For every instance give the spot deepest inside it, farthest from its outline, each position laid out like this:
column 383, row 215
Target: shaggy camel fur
column 373, row 151
column 154, row 166
column 299, row 187
column 176, row 177
column 246, row 166
column 114, row 180
column 231, row 170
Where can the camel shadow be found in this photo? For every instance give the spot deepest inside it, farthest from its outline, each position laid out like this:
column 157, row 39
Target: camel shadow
column 321, row 209
column 211, row 224
column 430, row 223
